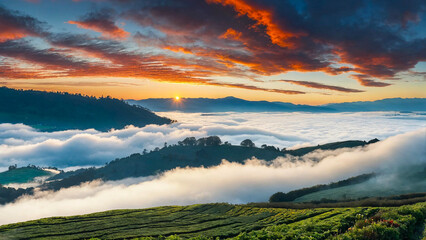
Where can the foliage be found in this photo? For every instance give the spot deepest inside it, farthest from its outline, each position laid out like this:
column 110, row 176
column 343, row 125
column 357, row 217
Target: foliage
column 189, row 141
column 247, row 143
column 209, row 141
column 399, row 223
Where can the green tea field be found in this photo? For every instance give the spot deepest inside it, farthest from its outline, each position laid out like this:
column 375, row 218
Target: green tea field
column 223, row 221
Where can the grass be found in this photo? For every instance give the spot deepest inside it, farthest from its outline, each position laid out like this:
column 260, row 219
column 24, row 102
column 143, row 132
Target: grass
column 208, row 221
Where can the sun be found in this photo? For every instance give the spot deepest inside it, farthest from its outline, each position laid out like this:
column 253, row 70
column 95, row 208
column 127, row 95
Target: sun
column 177, row 98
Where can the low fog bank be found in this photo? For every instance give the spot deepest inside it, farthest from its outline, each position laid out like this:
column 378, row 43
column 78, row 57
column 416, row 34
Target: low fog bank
column 23, row 145
column 383, row 185
column 253, row 181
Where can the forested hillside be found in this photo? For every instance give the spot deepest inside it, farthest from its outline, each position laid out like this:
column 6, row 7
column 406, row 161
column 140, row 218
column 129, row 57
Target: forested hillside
column 190, row 152
column 51, row 111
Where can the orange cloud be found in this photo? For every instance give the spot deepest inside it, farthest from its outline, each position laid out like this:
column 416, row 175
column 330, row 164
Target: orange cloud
column 12, row 34
column 178, row 49
column 264, row 17
column 231, row 34
column 107, row 29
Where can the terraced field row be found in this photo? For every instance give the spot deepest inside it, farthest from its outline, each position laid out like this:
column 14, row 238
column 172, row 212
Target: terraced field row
column 212, row 221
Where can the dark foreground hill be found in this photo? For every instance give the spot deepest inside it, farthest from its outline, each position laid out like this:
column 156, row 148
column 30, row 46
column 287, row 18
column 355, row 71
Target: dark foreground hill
column 60, row 111
column 223, row 221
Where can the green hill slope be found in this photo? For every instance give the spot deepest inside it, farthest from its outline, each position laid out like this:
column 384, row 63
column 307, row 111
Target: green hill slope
column 60, row 111
column 406, row 181
column 23, row 175
column 228, row 221
column 367, row 189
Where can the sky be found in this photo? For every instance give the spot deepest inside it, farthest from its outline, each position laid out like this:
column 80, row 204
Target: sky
column 304, row 51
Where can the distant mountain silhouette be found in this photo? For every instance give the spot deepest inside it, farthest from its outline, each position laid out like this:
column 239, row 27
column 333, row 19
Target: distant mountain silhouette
column 389, row 104
column 228, row 104
column 232, row 104
column 60, row 111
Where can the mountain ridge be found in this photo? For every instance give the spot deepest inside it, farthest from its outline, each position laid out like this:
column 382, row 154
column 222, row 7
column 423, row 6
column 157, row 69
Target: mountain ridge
column 233, row 104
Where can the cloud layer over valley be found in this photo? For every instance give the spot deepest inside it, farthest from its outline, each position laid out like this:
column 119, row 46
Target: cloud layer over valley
column 253, row 181
column 23, row 145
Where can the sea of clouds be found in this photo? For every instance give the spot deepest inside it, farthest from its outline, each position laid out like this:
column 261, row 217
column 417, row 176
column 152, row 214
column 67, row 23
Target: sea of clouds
column 253, row 181
column 23, row 145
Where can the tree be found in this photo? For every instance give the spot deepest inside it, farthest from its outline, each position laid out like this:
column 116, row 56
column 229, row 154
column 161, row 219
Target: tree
column 209, row 141
column 12, row 167
column 213, row 141
column 189, row 141
column 202, row 142
column 278, row 197
column 270, row 148
column 247, row 143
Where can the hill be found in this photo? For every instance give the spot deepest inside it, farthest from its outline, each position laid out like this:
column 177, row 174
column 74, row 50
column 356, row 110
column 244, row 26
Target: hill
column 408, row 181
column 402, row 183
column 167, row 158
column 23, row 175
column 232, row 104
column 61, row 111
column 223, row 221
column 189, row 153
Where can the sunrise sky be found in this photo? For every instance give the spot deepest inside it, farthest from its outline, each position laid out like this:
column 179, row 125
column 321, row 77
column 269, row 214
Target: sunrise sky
column 300, row 51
